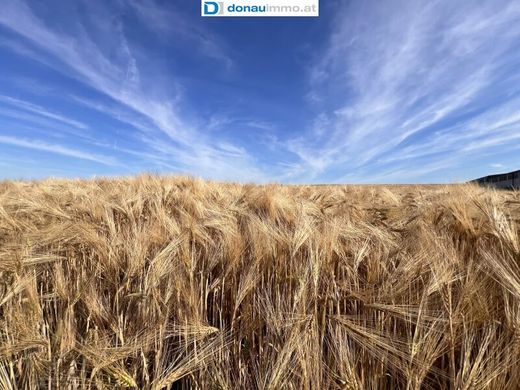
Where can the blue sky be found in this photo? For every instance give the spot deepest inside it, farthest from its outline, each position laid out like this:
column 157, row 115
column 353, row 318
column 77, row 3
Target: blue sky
column 369, row 92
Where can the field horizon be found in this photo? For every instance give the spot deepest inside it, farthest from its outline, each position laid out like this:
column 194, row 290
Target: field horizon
column 163, row 282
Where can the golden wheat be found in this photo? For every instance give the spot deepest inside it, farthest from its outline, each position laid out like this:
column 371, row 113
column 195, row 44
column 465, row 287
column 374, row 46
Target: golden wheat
column 155, row 283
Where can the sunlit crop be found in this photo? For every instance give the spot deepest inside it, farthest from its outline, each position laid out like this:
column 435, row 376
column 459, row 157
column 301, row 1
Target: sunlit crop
column 156, row 282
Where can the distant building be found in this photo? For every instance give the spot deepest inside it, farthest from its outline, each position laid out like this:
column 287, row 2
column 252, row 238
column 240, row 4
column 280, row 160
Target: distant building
column 502, row 180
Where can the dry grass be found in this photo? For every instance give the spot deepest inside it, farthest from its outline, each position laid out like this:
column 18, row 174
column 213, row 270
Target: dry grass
column 158, row 283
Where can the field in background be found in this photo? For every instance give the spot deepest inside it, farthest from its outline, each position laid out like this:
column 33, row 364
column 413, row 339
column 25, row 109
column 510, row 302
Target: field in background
column 154, row 282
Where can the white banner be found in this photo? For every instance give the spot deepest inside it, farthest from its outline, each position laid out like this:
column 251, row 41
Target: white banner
column 215, row 8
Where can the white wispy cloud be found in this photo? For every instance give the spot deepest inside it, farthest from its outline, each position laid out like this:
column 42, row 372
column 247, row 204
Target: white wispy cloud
column 112, row 66
column 401, row 90
column 33, row 108
column 57, row 149
column 86, row 60
column 170, row 25
column 395, row 73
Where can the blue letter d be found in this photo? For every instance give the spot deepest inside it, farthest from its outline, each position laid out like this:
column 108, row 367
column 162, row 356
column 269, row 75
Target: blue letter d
column 210, row 8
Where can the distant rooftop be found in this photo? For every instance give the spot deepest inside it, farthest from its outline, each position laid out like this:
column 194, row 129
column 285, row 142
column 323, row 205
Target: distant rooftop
column 501, row 180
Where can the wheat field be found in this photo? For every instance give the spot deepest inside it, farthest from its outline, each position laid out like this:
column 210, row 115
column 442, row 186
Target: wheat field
column 155, row 282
